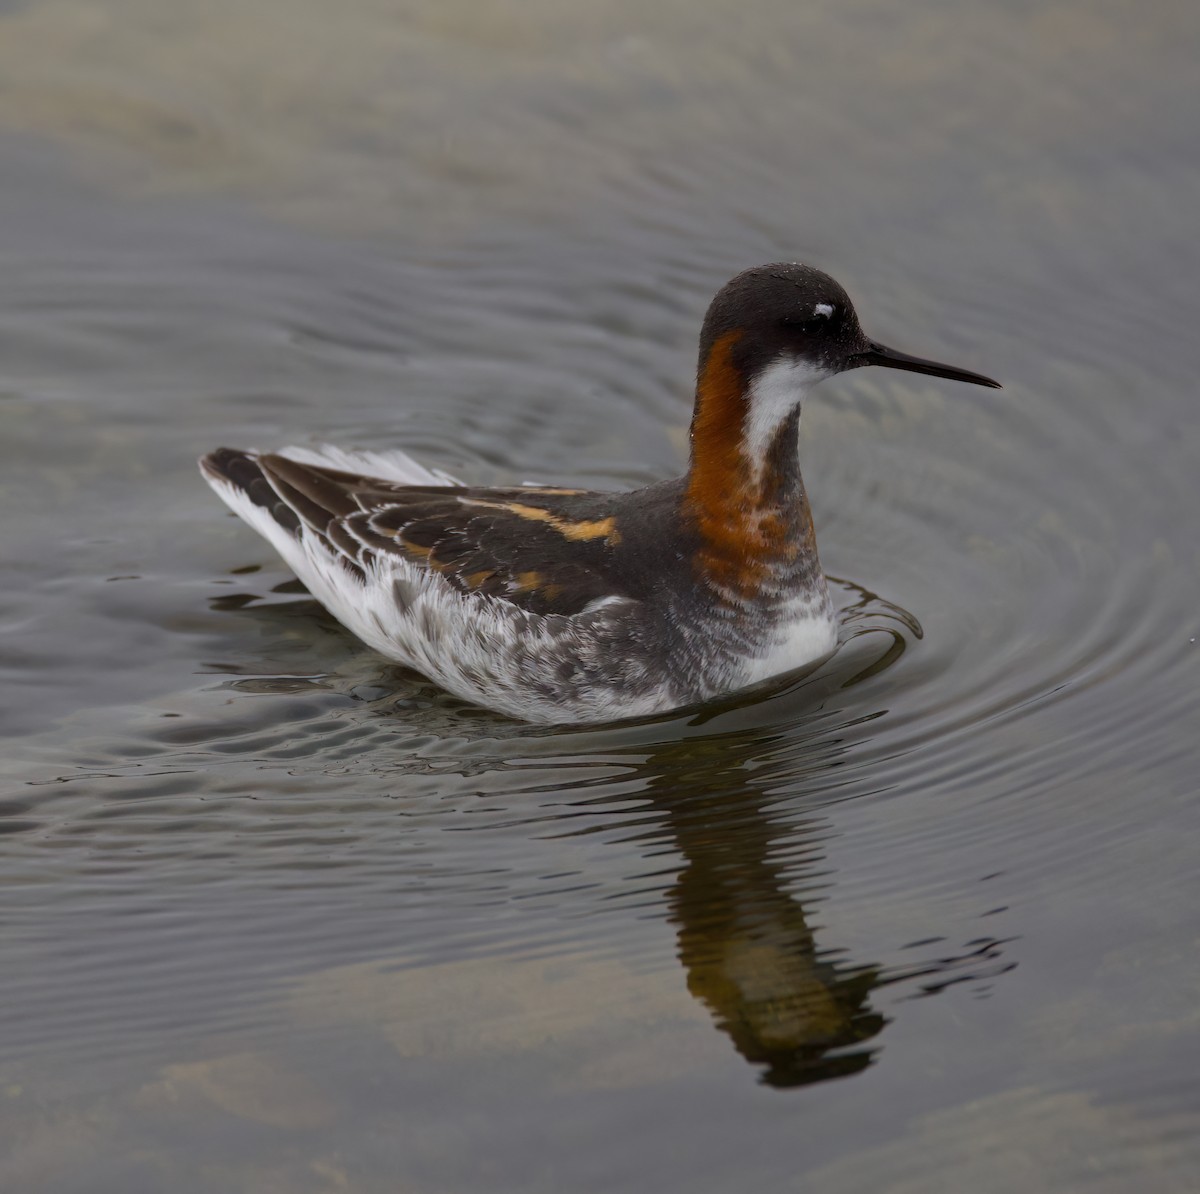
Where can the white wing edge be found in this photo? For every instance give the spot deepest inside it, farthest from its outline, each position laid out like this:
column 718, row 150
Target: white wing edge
column 395, row 466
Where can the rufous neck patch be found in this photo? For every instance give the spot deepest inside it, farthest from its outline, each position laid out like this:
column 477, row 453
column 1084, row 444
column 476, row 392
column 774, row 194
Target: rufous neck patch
column 746, row 532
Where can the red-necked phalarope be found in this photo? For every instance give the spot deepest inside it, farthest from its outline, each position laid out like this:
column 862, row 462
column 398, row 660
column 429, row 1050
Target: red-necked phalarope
column 561, row 605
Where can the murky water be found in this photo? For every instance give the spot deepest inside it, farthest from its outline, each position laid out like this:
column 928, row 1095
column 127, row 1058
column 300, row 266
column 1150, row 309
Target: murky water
column 280, row 917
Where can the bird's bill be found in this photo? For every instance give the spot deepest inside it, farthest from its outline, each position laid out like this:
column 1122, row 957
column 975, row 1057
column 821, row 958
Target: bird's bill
column 889, row 358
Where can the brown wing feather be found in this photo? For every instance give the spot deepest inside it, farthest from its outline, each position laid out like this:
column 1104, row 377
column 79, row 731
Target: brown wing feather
column 545, row 550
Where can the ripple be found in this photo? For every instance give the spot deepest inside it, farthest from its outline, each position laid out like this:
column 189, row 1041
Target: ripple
column 959, row 848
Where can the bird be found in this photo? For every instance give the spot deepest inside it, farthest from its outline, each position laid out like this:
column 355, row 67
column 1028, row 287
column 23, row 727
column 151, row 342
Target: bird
column 570, row 606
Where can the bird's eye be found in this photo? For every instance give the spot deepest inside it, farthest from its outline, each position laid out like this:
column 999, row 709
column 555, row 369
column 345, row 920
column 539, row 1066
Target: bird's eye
column 813, row 326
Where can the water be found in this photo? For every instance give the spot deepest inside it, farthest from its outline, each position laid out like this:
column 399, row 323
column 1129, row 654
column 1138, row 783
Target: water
column 278, row 916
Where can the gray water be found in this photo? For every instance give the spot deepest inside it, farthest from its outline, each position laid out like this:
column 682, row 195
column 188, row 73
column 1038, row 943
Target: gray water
column 278, row 916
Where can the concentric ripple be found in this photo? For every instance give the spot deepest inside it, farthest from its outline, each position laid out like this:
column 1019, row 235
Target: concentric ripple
column 278, row 915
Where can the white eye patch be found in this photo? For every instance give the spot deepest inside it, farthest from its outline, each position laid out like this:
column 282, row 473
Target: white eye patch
column 825, row 309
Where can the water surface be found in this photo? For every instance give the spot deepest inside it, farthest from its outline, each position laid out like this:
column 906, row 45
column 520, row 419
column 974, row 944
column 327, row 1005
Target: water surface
column 280, row 916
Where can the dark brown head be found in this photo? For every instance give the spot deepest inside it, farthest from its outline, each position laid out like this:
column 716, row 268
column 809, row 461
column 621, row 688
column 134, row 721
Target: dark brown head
column 770, row 334
column 797, row 317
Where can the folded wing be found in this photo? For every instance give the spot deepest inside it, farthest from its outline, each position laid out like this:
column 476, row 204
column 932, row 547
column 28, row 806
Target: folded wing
column 547, row 551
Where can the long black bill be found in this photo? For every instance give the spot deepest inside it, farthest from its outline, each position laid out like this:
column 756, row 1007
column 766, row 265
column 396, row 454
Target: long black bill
column 879, row 354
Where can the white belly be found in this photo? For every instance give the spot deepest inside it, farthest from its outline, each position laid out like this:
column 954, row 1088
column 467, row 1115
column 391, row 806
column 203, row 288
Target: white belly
column 807, row 633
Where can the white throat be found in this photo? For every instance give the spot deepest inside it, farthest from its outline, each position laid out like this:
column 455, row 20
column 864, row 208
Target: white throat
column 776, row 392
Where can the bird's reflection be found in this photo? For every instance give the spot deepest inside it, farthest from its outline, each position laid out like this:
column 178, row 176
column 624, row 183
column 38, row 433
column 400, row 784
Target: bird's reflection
column 743, row 937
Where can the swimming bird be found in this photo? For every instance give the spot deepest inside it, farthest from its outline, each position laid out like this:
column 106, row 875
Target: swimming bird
column 565, row 605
